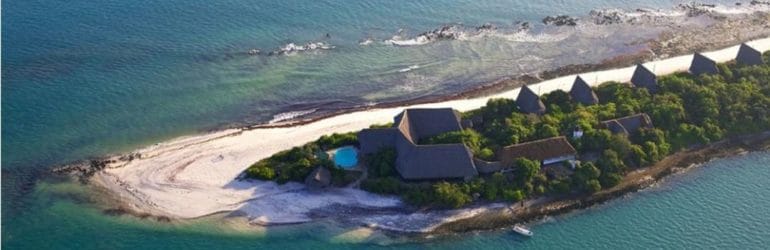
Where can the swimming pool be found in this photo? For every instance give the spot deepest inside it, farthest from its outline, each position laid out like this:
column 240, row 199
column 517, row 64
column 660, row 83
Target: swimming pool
column 346, row 157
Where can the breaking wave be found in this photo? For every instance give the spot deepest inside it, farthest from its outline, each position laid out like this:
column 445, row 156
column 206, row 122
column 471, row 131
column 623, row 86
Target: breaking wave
column 285, row 116
column 410, row 68
column 545, row 31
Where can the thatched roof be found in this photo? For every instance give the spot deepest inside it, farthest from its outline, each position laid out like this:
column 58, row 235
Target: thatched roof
column 539, row 150
column 703, row 65
column 644, row 78
column 749, row 56
column 582, row 92
column 424, row 122
column 418, row 162
column 529, row 102
column 319, row 178
column 629, row 124
column 373, row 140
column 426, row 162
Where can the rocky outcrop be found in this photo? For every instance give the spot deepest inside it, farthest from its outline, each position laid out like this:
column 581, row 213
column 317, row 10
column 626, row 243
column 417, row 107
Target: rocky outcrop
column 560, row 20
column 85, row 169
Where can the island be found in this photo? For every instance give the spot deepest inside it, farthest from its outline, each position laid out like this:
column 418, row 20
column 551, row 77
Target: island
column 467, row 164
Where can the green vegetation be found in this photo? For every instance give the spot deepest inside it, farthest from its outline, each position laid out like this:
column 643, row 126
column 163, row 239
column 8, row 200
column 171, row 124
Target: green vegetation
column 469, row 137
column 686, row 110
column 296, row 163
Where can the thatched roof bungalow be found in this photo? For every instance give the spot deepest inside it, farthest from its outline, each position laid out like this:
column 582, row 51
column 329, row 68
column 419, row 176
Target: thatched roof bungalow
column 645, row 78
column 529, row 102
column 703, row 65
column 422, row 162
column 629, row 124
column 319, row 178
column 581, row 92
column 749, row 56
column 547, row 151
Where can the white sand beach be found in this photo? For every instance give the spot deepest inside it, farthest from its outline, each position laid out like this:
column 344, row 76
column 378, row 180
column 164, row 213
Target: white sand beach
column 195, row 176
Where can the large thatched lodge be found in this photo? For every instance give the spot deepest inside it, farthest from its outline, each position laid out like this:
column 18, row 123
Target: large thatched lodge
column 456, row 161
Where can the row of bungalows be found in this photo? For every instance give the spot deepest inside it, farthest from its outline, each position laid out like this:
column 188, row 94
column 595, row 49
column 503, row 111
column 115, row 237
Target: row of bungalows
column 455, row 161
column 746, row 56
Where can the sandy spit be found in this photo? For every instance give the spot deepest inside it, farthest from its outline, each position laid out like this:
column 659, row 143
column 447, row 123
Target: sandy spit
column 195, row 176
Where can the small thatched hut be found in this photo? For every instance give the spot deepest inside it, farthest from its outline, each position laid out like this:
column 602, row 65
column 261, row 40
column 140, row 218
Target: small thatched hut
column 582, row 92
column 703, row 65
column 529, row 102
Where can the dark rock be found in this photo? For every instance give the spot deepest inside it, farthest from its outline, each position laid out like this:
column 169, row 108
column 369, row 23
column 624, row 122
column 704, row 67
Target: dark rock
column 163, row 219
column 696, row 9
column 606, row 17
column 523, row 25
column 115, row 211
column 486, row 26
column 560, row 20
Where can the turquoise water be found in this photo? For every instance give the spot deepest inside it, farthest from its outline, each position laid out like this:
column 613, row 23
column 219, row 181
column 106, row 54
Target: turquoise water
column 85, row 78
column 346, row 157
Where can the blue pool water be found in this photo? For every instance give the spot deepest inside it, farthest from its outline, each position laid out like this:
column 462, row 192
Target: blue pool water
column 346, row 157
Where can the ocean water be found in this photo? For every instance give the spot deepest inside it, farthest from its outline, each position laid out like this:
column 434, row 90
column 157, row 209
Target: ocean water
column 84, row 78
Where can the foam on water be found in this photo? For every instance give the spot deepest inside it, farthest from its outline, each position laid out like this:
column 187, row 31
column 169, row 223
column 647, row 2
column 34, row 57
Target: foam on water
column 291, row 115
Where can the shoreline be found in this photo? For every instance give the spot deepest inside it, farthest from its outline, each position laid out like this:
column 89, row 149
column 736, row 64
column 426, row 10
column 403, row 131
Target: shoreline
column 667, row 46
column 677, row 163
column 160, row 178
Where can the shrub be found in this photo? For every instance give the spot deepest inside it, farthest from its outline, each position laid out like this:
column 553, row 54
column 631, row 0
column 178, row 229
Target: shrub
column 336, row 140
column 261, row 172
column 449, row 195
column 610, row 180
column 513, row 195
column 593, row 186
column 386, row 185
column 382, row 163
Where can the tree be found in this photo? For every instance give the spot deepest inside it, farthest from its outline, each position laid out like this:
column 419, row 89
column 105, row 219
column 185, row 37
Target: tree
column 597, row 139
column 497, row 108
column 560, row 186
column 559, row 99
column 620, row 144
column 513, row 195
column 486, row 154
column 382, row 163
column 490, row 192
column 586, row 171
column 637, row 156
column 610, row 162
column 653, row 154
column 525, row 169
column 688, row 134
column 469, row 137
column 593, row 186
column 449, row 195
column 547, row 131
column 666, row 110
column 610, row 180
